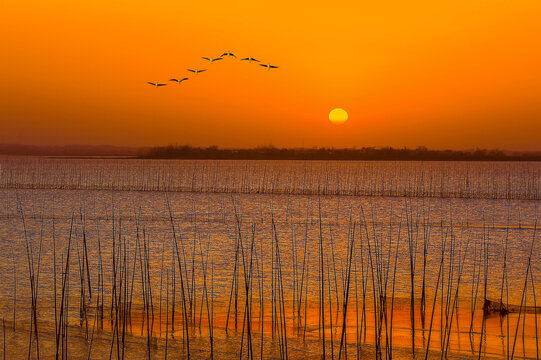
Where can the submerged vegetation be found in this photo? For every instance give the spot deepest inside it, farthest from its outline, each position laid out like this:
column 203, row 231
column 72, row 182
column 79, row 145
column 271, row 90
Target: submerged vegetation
column 196, row 274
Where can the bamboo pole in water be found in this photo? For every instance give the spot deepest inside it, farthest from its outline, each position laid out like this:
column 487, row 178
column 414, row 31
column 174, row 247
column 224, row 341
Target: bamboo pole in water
column 321, row 281
column 525, row 288
column 183, row 297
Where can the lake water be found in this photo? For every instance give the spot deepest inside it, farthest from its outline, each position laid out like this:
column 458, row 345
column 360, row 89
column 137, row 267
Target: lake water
column 289, row 236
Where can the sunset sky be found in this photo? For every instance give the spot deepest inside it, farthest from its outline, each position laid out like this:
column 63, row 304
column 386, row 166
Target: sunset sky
column 442, row 74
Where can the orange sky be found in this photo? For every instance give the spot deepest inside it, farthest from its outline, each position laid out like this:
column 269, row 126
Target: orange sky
column 443, row 74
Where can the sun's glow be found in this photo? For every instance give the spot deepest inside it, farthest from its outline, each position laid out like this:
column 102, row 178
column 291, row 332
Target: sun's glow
column 338, row 116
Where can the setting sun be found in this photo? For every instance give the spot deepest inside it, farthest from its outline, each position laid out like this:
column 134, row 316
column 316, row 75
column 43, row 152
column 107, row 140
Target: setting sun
column 338, row 116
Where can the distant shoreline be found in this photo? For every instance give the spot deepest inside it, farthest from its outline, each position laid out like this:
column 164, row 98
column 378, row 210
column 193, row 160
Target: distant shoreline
column 265, row 153
column 329, row 154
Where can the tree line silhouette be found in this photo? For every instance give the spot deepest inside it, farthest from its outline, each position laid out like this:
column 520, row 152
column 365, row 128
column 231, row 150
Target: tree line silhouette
column 365, row 153
column 268, row 153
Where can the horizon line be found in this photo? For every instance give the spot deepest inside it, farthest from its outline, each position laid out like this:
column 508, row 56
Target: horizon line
column 3, row 146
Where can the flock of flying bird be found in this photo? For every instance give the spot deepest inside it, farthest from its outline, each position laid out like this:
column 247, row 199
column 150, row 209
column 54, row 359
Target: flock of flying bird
column 211, row 60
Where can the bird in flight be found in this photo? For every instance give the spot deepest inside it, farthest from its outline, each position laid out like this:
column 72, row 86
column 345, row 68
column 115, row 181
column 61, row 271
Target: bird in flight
column 269, row 66
column 197, row 71
column 250, row 59
column 155, row 84
column 211, row 59
column 228, row 54
column 178, row 80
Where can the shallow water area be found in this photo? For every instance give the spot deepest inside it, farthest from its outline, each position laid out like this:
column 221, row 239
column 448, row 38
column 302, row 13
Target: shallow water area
column 103, row 248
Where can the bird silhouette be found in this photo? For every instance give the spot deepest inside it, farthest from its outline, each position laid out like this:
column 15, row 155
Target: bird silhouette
column 155, row 84
column 211, row 59
column 228, row 54
column 250, row 59
column 178, row 80
column 269, row 66
column 197, row 71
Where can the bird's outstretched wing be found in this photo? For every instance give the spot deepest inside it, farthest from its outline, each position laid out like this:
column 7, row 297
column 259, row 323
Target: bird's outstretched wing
column 244, row 59
column 228, row 54
column 206, row 58
column 218, row 59
column 161, row 84
column 201, row 70
column 191, row 70
column 273, row 67
column 184, row 79
column 151, row 83
column 173, row 80
column 262, row 65
column 255, row 60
